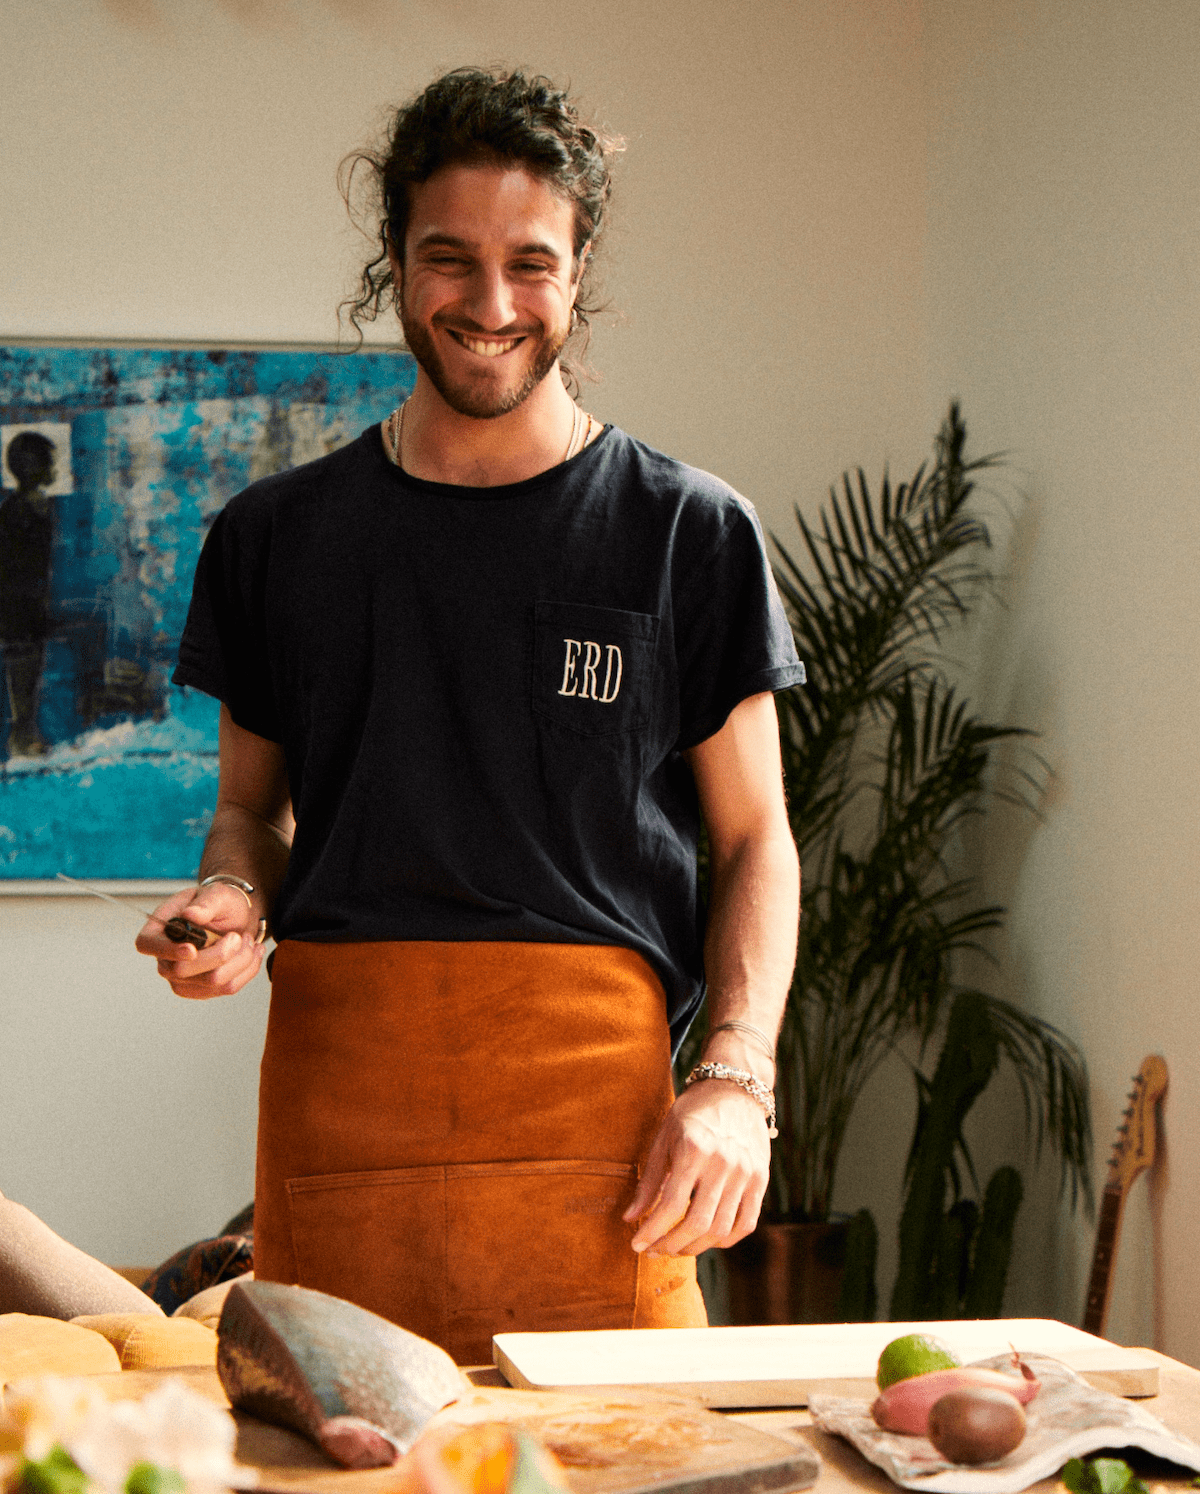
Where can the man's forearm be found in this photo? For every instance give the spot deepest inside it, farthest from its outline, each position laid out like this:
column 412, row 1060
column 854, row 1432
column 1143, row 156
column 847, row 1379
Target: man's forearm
column 707, row 1169
column 253, row 825
column 245, row 845
column 750, row 946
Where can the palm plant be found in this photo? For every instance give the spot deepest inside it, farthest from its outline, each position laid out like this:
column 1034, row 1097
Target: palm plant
column 883, row 763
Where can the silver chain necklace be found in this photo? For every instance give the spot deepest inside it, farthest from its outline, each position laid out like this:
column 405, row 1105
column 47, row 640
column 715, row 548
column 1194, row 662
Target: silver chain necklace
column 395, row 432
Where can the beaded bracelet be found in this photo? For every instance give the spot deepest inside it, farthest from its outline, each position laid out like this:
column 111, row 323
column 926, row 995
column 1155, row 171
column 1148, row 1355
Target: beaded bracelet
column 754, row 1087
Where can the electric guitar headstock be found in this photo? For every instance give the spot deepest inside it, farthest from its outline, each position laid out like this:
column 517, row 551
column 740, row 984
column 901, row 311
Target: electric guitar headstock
column 1137, row 1137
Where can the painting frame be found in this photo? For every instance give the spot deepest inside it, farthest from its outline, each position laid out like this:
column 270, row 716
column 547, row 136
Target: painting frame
column 128, row 450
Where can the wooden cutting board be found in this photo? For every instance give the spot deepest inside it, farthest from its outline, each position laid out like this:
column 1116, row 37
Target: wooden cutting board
column 779, row 1366
column 630, row 1443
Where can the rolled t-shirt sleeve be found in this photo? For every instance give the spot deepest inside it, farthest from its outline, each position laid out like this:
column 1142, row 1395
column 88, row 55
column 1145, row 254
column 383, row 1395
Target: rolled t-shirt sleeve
column 732, row 635
column 223, row 650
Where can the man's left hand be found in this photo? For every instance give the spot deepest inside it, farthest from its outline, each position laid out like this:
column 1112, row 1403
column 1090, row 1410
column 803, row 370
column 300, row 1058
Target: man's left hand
column 705, row 1174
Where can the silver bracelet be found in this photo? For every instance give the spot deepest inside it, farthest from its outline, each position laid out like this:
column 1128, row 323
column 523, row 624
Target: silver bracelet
column 744, row 1079
column 227, row 879
column 734, row 1025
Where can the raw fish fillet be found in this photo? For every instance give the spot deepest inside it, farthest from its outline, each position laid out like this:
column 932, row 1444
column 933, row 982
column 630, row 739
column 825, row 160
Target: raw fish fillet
column 353, row 1383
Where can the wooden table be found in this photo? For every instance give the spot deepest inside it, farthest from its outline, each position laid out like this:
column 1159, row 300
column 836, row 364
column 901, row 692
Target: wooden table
column 293, row 1466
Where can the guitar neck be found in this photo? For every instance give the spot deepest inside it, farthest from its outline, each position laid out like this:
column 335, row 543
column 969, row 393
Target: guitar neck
column 1133, row 1153
column 1100, row 1282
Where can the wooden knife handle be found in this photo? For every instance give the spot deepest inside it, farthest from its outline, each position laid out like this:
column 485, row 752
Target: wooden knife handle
column 183, row 931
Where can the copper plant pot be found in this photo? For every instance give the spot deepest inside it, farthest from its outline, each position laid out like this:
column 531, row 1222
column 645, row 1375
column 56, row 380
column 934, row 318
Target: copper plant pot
column 787, row 1273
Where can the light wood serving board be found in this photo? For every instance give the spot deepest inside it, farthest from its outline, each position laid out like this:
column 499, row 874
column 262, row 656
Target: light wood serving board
column 780, row 1365
column 630, row 1443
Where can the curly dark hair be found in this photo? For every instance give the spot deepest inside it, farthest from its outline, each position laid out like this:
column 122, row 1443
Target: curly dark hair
column 470, row 115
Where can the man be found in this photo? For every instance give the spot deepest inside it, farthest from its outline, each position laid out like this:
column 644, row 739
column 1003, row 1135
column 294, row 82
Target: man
column 496, row 658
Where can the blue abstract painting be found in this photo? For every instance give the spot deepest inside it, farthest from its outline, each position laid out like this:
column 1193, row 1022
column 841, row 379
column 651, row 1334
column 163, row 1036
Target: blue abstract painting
column 115, row 461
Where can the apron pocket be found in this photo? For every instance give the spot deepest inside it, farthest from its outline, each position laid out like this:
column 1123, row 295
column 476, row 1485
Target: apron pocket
column 377, row 1239
column 459, row 1252
column 538, row 1247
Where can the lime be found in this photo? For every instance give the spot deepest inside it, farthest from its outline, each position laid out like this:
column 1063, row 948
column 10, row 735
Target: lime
column 914, row 1354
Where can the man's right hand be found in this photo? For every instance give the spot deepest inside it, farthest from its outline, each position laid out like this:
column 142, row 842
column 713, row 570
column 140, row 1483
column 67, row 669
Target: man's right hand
column 251, row 836
column 224, row 967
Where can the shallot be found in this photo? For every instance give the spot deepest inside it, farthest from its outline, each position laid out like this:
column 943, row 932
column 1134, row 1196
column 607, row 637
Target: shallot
column 905, row 1406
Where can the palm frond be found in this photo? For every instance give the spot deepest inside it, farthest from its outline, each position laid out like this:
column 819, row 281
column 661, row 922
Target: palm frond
column 883, row 763
column 1054, row 1088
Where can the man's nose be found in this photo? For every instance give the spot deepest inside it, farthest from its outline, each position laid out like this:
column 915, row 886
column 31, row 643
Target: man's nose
column 490, row 300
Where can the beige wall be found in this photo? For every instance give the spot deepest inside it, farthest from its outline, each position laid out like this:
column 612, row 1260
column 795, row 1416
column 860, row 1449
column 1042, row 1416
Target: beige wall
column 168, row 172
column 126, row 1116
column 1064, row 307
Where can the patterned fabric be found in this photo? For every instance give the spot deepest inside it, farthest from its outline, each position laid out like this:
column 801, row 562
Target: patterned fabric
column 197, row 1266
column 242, row 1222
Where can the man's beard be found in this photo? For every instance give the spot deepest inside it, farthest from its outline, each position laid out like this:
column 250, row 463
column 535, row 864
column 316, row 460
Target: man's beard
column 481, row 403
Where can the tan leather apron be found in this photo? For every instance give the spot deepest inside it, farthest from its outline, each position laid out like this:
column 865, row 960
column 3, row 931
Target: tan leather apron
column 449, row 1133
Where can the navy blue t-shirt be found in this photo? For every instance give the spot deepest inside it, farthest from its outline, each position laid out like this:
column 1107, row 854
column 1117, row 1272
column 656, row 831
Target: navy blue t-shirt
column 483, row 694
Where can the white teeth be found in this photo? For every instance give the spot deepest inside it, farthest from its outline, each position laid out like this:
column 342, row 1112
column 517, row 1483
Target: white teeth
column 488, row 349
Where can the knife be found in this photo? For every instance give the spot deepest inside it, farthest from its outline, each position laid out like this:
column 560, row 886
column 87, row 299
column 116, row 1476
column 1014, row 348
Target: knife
column 178, row 930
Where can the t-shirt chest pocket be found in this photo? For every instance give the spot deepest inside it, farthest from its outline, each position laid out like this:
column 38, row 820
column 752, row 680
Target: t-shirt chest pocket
column 593, row 667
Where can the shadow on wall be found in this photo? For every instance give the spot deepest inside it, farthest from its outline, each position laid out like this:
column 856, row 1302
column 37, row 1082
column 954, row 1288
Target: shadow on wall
column 1013, row 678
column 1159, row 1181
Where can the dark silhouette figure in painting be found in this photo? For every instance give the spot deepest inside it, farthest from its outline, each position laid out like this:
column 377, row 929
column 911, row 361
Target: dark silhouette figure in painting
column 26, row 546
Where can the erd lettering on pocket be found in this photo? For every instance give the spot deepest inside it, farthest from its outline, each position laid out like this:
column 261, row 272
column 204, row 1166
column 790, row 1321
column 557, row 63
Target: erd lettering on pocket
column 581, row 670
column 594, row 668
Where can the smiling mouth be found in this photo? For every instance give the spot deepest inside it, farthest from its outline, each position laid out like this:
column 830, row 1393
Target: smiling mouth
column 485, row 347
